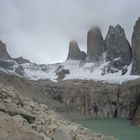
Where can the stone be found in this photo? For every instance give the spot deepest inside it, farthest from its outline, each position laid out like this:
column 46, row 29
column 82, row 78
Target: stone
column 3, row 51
column 74, row 52
column 62, row 134
column 136, row 113
column 136, row 118
column 117, row 47
column 11, row 129
column 95, row 45
column 61, row 74
column 136, row 48
column 12, row 109
column 20, row 70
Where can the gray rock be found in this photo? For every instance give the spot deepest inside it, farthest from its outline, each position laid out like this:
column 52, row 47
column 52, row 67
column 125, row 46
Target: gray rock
column 3, row 51
column 74, row 52
column 97, row 99
column 61, row 74
column 118, row 47
column 12, row 128
column 20, row 70
column 21, row 60
column 136, row 48
column 12, row 109
column 7, row 64
column 95, row 45
column 62, row 134
column 136, row 118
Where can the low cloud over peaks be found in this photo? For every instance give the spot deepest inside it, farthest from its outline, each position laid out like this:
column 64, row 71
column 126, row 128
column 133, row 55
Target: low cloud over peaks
column 40, row 30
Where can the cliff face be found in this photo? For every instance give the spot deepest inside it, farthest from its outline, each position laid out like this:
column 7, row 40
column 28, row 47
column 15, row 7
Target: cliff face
column 3, row 51
column 96, row 99
column 95, row 45
column 117, row 45
column 136, row 119
column 118, row 48
column 74, row 52
column 136, row 48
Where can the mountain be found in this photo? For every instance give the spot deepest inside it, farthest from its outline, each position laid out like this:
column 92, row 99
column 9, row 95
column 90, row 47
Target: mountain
column 110, row 60
column 99, row 84
column 136, row 48
column 118, row 49
column 95, row 45
column 3, row 51
column 74, row 52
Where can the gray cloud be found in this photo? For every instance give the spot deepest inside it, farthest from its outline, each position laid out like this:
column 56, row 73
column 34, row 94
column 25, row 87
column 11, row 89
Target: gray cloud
column 40, row 30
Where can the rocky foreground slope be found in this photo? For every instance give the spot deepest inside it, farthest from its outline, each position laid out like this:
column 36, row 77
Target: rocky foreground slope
column 22, row 118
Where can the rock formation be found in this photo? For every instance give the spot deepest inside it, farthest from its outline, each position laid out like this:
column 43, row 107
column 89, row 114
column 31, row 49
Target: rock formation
column 95, row 45
column 136, row 119
column 21, row 60
column 118, row 47
column 61, row 74
column 136, row 48
column 97, row 99
column 3, row 51
column 74, row 52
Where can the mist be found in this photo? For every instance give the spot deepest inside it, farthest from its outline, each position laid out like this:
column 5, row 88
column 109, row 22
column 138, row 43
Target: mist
column 40, row 30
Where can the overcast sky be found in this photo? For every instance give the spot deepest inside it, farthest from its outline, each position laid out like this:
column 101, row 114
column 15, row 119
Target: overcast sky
column 40, row 30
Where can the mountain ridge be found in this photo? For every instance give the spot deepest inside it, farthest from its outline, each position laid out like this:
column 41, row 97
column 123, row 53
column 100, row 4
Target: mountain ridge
column 108, row 59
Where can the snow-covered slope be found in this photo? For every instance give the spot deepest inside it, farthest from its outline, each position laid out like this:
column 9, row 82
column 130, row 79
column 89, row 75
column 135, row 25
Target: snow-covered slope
column 77, row 70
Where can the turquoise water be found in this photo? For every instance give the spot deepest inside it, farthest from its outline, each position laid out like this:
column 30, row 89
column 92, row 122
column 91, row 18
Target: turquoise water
column 119, row 128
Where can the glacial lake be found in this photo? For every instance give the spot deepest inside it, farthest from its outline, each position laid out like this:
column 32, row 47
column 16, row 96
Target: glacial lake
column 118, row 128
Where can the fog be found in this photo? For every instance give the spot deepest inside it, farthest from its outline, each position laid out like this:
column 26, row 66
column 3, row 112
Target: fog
column 40, row 30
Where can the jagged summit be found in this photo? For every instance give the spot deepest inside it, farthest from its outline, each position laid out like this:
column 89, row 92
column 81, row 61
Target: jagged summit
column 21, row 60
column 74, row 52
column 118, row 47
column 3, row 51
column 108, row 60
column 95, row 44
column 136, row 48
column 117, row 30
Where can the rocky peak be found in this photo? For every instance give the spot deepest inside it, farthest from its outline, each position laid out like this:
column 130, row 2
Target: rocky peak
column 117, row 31
column 118, row 47
column 3, row 51
column 95, row 44
column 21, row 60
column 136, row 48
column 74, row 52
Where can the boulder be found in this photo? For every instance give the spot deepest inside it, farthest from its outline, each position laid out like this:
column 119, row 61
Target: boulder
column 118, row 47
column 20, row 70
column 62, row 134
column 62, row 73
column 12, row 109
column 136, row 48
column 74, row 52
column 95, row 45
column 13, row 128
